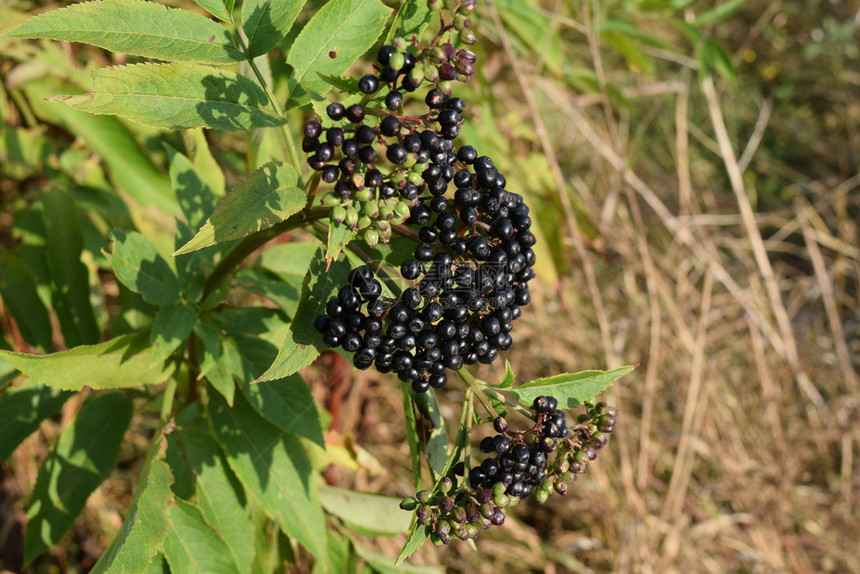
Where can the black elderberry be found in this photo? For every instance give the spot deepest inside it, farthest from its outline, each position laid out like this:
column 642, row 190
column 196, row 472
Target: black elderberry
column 394, row 100
column 435, row 98
column 467, row 154
column 335, row 111
column 368, row 84
column 355, row 113
column 396, row 154
column 389, row 126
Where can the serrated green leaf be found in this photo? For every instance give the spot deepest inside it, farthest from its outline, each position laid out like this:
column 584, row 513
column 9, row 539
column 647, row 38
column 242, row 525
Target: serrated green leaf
column 271, row 286
column 84, row 456
column 70, row 288
column 220, row 503
column 344, row 84
column 417, row 536
column 130, row 167
column 142, row 269
column 192, row 546
column 158, row 565
column 338, row 237
column 266, row 22
column 288, row 403
column 320, row 48
column 22, row 410
column 145, row 526
column 304, row 343
column 412, row 18
column 191, row 270
column 373, row 512
column 19, row 295
column 218, row 8
column 138, row 28
column 273, row 466
column 172, row 326
column 571, row 389
column 508, row 380
column 266, row 197
column 436, row 442
column 288, row 258
column 177, row 96
column 118, row 363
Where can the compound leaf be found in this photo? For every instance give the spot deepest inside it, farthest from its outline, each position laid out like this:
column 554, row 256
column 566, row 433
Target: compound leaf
column 177, row 96
column 138, row 28
column 84, row 456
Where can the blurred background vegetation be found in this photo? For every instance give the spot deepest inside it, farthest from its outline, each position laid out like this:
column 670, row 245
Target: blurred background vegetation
column 694, row 170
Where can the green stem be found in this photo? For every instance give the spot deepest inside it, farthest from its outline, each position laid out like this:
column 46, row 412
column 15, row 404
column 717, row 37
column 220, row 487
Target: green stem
column 251, row 243
column 167, row 405
column 285, row 129
column 477, row 387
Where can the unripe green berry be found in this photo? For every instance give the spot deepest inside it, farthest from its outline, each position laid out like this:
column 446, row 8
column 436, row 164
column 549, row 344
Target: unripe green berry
column 371, row 237
column 398, row 179
column 435, row 5
column 424, row 496
column 338, row 214
column 370, row 209
column 386, row 212
column 415, row 178
column 468, row 37
column 501, row 500
column 409, row 503
column 499, row 488
column 541, row 495
column 330, row 199
column 445, row 485
column 364, row 222
column 471, row 531
column 458, row 515
column 461, row 23
column 364, row 194
column 434, row 538
column 431, row 72
column 487, row 510
column 416, row 75
column 402, row 210
column 351, row 218
column 446, row 87
column 452, row 4
column 400, row 45
column 443, row 528
column 396, row 61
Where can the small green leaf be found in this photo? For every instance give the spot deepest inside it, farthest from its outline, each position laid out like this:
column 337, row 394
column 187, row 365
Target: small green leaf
column 320, row 48
column 304, row 343
column 508, row 381
column 22, row 410
column 145, row 526
column 289, row 404
column 213, row 365
column 571, row 389
column 338, row 237
column 417, row 536
column 266, row 22
column 172, row 326
column 192, row 546
column 266, row 197
column 84, row 456
column 70, row 288
column 177, row 96
column 142, row 269
column 118, row 363
column 219, row 8
column 372, row 512
column 274, row 467
column 18, row 292
column 436, row 442
column 222, row 506
column 138, row 28
column 412, row 18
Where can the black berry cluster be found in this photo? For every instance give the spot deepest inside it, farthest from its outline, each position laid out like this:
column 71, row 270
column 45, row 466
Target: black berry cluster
column 521, row 465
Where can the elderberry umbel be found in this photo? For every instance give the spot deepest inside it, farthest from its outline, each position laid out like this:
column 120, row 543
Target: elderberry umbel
column 538, row 460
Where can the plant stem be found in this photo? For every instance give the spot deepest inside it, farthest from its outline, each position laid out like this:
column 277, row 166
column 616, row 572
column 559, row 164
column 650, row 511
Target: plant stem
column 477, row 387
column 167, row 405
column 253, row 242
